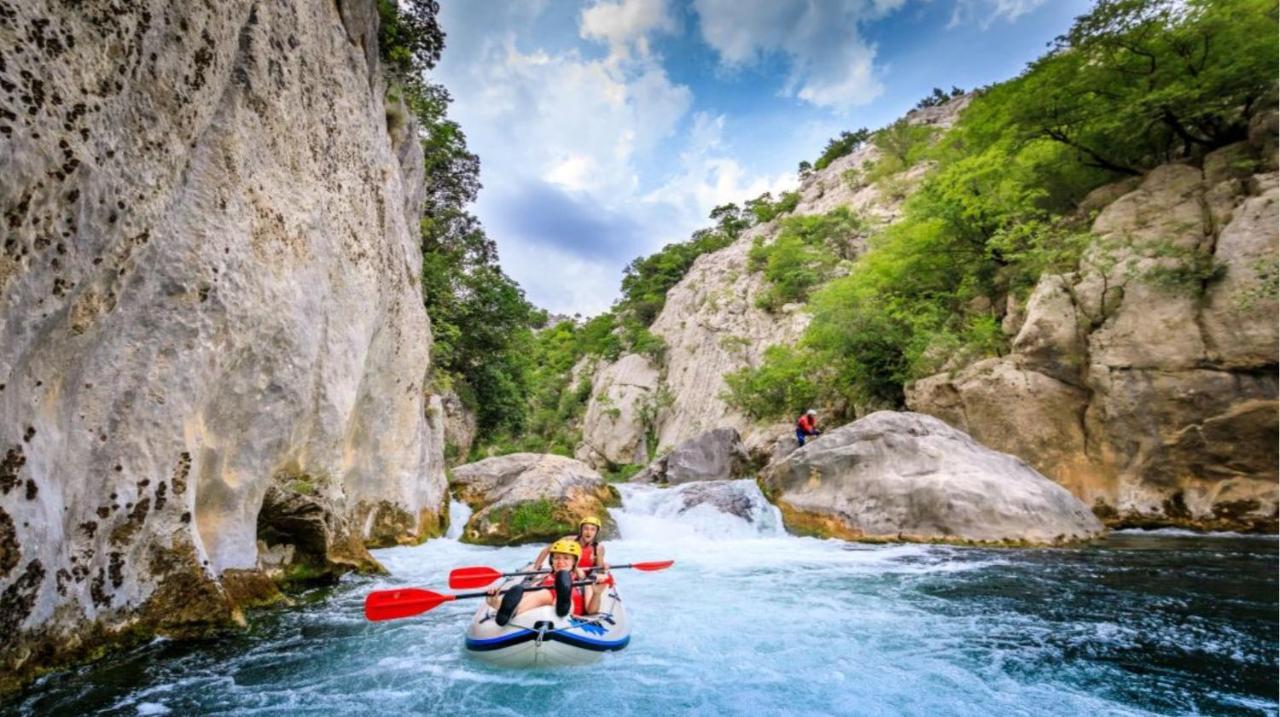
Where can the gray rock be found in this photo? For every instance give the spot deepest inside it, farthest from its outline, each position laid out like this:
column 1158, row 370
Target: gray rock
column 714, row 455
column 530, row 497
column 1155, row 403
column 909, row 476
column 209, row 284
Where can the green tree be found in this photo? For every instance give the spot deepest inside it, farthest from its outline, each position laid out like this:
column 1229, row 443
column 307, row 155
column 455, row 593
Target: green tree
column 841, row 146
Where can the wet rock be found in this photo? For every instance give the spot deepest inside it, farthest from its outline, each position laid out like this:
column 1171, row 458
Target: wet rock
column 714, row 455
column 530, row 497
column 209, row 277
column 906, row 476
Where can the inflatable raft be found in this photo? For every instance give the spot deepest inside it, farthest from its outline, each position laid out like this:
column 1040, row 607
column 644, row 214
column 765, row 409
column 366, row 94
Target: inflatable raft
column 539, row 637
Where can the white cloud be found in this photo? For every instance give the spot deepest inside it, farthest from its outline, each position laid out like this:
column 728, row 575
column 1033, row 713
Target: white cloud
column 831, row 65
column 709, row 177
column 572, row 148
column 626, row 25
column 985, row 12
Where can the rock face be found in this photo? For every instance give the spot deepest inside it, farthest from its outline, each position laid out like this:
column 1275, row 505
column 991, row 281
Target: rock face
column 1146, row 381
column 714, row 455
column 530, row 497
column 459, row 427
column 212, row 339
column 620, row 414
column 905, row 476
column 712, row 326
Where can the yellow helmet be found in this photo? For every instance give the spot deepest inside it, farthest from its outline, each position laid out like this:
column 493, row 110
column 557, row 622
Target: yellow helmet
column 568, row 547
column 589, row 520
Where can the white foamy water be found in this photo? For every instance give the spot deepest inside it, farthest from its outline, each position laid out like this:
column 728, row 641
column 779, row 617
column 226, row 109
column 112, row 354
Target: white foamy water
column 752, row 621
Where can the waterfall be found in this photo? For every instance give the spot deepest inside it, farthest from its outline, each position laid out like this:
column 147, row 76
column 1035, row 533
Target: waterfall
column 459, row 514
column 704, row 509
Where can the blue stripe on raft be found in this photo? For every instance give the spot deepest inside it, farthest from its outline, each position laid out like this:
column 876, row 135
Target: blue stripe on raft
column 497, row 643
column 517, row 638
column 587, row 643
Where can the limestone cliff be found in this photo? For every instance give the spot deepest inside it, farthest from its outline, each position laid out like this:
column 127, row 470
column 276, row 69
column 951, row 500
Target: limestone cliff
column 1145, row 382
column 712, row 326
column 212, row 340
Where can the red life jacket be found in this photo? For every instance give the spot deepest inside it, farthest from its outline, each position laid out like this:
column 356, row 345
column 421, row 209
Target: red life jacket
column 588, row 559
column 578, row 594
column 805, row 424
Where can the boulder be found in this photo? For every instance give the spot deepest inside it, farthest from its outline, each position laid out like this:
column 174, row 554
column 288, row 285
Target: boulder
column 530, row 497
column 714, row 455
column 907, row 476
column 721, row 508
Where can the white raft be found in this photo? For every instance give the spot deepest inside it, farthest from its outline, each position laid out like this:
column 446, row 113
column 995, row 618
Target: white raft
column 539, row 637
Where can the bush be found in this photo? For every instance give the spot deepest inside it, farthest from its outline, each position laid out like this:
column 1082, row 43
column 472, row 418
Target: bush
column 841, row 146
column 783, row 385
column 802, row 255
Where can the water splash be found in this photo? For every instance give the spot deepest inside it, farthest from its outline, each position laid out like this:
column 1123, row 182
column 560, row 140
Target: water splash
column 714, row 510
column 459, row 514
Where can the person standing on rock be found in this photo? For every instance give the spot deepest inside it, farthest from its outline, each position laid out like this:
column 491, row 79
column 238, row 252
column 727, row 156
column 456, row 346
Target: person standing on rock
column 592, row 550
column 807, row 426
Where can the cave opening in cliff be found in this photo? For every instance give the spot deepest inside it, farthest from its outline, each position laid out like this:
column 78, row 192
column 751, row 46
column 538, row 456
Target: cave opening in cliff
column 293, row 537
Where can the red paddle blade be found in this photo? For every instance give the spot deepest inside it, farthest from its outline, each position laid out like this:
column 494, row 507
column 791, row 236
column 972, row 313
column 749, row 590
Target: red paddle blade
column 654, row 566
column 473, row 577
column 405, row 602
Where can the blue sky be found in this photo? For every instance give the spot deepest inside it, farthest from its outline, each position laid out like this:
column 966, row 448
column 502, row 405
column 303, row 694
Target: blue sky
column 609, row 128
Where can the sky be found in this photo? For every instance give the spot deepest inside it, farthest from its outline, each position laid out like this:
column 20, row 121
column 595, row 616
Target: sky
column 607, row 129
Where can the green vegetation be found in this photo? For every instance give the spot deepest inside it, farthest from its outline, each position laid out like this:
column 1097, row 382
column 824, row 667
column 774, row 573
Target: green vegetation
column 536, row 518
column 1134, row 83
column 623, row 473
column 802, row 254
column 939, row 97
column 554, row 404
column 902, row 145
column 840, row 146
column 481, row 322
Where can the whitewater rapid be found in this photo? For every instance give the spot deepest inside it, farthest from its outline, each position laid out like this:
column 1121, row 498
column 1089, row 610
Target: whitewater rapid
column 753, row 621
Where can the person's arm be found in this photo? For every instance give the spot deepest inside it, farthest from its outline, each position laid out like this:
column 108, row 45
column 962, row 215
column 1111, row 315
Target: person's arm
column 542, row 558
column 603, row 567
column 597, row 590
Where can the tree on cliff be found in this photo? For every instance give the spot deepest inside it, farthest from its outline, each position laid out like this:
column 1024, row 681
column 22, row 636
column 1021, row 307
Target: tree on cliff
column 481, row 321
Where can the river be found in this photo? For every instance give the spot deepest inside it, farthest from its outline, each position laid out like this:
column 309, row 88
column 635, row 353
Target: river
column 751, row 621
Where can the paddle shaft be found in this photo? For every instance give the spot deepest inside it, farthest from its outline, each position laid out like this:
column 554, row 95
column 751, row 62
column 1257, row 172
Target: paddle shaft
column 485, row 593
column 548, row 570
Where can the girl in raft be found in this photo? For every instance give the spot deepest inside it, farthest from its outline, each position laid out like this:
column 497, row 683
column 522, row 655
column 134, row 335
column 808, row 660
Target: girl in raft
column 580, row 600
column 592, row 550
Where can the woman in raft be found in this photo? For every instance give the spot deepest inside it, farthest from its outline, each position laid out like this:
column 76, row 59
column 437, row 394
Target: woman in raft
column 592, row 550
column 580, row 600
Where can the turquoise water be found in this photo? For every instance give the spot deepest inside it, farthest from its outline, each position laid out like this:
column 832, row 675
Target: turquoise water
column 751, row 621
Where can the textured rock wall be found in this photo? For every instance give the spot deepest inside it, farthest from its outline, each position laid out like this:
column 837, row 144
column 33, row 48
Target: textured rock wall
column 208, row 304
column 1146, row 381
column 712, row 327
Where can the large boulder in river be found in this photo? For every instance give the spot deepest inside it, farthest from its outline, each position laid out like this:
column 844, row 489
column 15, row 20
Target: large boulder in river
column 906, row 476
column 530, row 497
column 714, row 455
